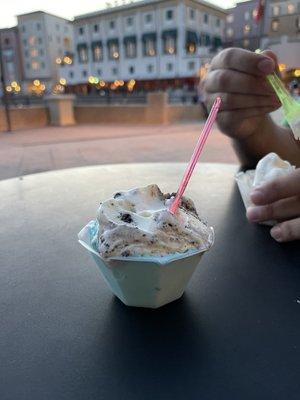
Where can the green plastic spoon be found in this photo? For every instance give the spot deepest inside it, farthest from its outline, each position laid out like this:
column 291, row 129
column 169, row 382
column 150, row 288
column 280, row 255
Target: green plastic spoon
column 291, row 108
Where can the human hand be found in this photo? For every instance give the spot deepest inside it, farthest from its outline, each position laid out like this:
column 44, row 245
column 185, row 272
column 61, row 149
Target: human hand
column 279, row 200
column 239, row 77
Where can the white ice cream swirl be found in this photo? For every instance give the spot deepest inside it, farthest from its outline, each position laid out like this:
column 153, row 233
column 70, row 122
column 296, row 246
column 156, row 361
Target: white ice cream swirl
column 137, row 223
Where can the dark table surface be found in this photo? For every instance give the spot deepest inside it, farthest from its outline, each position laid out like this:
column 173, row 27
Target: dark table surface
column 235, row 334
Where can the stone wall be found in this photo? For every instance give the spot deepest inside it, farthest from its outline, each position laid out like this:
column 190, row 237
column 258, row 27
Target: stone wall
column 61, row 111
column 97, row 114
column 27, row 117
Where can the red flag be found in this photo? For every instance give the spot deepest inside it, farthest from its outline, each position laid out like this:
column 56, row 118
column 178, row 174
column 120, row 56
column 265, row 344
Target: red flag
column 259, row 11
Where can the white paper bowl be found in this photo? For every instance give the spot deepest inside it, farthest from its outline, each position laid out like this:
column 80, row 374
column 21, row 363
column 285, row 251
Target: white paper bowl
column 145, row 281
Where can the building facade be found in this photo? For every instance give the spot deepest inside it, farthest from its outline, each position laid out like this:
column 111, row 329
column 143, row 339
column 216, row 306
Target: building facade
column 241, row 27
column 283, row 34
column 11, row 67
column 44, row 39
column 148, row 41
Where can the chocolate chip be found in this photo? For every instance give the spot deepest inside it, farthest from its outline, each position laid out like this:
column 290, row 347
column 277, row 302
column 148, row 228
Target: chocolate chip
column 144, row 235
column 125, row 253
column 170, row 225
column 117, row 195
column 126, row 218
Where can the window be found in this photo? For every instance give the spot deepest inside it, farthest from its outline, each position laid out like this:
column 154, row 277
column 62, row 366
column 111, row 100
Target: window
column 27, row 65
column 112, row 25
column 99, row 72
column 82, row 51
column 41, row 52
column 169, row 67
column 169, row 15
column 247, row 15
column 169, row 42
column 191, row 65
column 38, row 26
column 50, row 38
column 26, row 53
column 40, row 40
column 43, row 65
column 23, row 28
column 96, row 28
column 192, row 14
column 71, row 74
column 218, row 22
column 150, row 68
column 276, row 11
column 148, row 18
column 298, row 24
column 191, row 48
column 114, row 71
column 81, row 30
column 275, row 25
column 149, row 45
column 291, row 8
column 230, row 18
column 33, row 53
column 130, row 47
column 113, row 49
column 58, row 39
column 246, row 43
column 247, row 29
column 6, row 41
column 32, row 40
column 35, row 65
column 84, row 73
column 66, row 28
column 229, row 32
column 205, row 18
column 131, row 70
column 129, row 21
column 191, row 42
column 25, row 42
column 97, row 51
column 57, row 27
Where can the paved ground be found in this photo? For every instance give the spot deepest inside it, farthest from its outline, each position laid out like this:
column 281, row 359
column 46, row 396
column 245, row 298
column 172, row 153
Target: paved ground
column 30, row 151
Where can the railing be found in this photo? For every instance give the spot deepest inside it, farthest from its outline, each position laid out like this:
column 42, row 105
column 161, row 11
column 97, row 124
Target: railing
column 20, row 101
column 183, row 98
column 111, row 99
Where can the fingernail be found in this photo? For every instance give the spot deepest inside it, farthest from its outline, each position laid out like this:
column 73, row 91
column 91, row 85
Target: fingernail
column 266, row 66
column 257, row 196
column 253, row 214
column 276, row 233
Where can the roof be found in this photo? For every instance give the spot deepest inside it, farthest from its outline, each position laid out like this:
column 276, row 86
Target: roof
column 42, row 12
column 136, row 4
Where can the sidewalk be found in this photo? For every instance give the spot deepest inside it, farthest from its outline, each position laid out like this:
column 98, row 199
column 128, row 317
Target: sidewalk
column 30, row 151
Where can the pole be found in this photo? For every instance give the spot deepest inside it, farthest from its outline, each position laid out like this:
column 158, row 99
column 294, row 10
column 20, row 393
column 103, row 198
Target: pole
column 5, row 100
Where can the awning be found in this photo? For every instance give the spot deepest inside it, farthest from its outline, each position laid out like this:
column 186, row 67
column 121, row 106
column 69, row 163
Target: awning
column 205, row 39
column 111, row 42
column 81, row 46
column 149, row 36
column 191, row 37
column 217, row 42
column 170, row 33
column 129, row 39
column 98, row 43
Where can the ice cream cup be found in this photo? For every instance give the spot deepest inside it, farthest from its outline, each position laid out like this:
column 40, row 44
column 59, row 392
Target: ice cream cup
column 145, row 281
column 245, row 181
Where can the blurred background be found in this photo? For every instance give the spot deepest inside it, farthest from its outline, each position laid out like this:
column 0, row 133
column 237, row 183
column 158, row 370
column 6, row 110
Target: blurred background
column 76, row 79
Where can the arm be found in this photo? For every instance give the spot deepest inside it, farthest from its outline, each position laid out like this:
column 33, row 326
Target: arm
column 270, row 138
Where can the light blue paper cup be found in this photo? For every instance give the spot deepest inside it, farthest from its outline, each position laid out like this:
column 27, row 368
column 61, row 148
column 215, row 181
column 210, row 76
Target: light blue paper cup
column 144, row 281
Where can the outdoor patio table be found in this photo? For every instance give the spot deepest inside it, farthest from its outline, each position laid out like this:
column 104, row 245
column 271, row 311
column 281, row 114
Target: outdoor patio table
column 235, row 334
